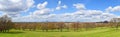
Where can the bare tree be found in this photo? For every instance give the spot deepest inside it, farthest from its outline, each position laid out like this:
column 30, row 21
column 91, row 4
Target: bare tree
column 116, row 21
column 5, row 23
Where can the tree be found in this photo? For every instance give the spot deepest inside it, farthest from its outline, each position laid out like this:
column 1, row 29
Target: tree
column 60, row 26
column 5, row 23
column 75, row 26
column 116, row 21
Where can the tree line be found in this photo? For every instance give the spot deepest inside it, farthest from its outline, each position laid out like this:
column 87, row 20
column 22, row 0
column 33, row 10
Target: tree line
column 46, row 26
column 6, row 24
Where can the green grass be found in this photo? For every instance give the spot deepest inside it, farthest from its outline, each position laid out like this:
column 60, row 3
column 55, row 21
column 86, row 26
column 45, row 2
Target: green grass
column 98, row 32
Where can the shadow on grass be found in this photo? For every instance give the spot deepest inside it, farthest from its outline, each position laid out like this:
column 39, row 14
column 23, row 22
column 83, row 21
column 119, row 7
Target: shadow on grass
column 12, row 32
column 62, row 31
column 52, row 31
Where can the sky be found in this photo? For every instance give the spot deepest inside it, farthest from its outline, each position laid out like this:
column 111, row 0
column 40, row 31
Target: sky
column 60, row 10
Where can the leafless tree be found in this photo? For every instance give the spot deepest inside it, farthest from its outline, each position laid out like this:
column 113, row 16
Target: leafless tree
column 5, row 23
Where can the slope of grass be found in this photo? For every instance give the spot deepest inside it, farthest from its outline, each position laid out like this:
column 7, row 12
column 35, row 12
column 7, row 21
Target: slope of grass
column 106, row 32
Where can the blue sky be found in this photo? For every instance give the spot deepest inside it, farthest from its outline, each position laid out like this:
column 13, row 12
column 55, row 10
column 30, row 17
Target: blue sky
column 60, row 10
column 90, row 4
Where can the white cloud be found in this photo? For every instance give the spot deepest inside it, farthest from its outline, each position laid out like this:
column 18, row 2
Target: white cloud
column 107, row 15
column 87, row 16
column 94, row 12
column 35, row 18
column 52, row 15
column 15, row 1
column 108, row 9
column 64, row 6
column 88, row 12
column 42, row 10
column 116, row 8
column 15, row 6
column 42, row 5
column 59, row 2
column 79, row 6
column 113, row 9
column 59, row 7
column 81, row 14
column 45, row 11
column 70, row 17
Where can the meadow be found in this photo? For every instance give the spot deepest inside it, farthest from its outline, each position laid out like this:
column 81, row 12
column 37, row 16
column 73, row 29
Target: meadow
column 96, row 32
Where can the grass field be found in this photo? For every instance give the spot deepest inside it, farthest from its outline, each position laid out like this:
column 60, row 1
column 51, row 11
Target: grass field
column 99, row 32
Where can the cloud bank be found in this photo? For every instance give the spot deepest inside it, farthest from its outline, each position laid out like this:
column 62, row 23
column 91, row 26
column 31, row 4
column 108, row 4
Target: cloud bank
column 14, row 7
column 43, row 14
